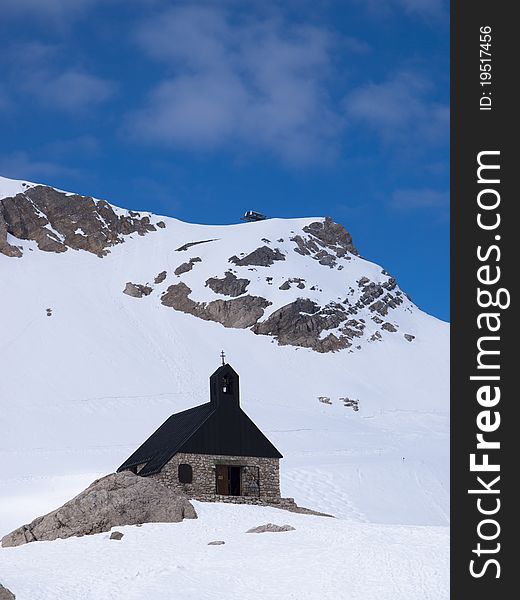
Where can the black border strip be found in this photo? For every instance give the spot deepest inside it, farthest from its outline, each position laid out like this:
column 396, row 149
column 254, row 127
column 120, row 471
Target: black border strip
column 475, row 129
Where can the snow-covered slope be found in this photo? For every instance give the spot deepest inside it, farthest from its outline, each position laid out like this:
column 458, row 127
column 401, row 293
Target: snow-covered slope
column 11, row 187
column 88, row 372
column 322, row 559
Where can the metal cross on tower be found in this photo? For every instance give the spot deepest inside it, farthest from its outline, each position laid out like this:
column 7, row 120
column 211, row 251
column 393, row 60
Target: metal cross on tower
column 223, row 356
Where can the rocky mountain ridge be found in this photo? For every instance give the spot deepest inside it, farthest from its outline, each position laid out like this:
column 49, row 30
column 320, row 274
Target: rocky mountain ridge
column 58, row 220
column 308, row 288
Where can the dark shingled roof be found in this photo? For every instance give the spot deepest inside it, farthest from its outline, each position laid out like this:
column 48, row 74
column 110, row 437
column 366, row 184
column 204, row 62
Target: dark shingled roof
column 219, row 427
column 157, row 450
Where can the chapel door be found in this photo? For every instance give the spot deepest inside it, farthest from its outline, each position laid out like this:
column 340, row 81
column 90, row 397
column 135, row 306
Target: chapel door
column 222, row 480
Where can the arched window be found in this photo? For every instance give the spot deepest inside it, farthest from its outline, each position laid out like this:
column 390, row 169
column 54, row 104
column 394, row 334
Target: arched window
column 185, row 473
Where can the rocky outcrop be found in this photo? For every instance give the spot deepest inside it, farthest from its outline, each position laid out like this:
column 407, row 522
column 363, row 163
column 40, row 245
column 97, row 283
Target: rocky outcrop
column 136, row 290
column 310, row 247
column 6, row 594
column 116, row 535
column 286, row 285
column 327, row 241
column 5, row 247
column 187, row 266
column 160, row 277
column 379, row 297
column 57, row 221
column 303, row 323
column 229, row 285
column 112, row 501
column 324, row 320
column 270, row 528
column 261, row 257
column 240, row 312
column 333, row 235
column 177, row 297
column 350, row 403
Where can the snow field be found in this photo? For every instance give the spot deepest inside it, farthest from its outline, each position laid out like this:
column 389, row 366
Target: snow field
column 81, row 389
column 324, row 559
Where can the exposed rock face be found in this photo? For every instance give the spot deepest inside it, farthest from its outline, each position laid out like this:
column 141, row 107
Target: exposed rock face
column 240, row 312
column 332, row 234
column 303, row 322
column 6, row 594
column 176, row 296
column 409, row 337
column 160, row 278
column 216, row 543
column 5, row 247
column 261, row 257
column 350, row 403
column 116, row 535
column 271, row 528
column 112, row 501
column 187, row 266
column 379, row 297
column 229, row 285
column 286, row 285
column 136, row 290
column 327, row 242
column 57, row 221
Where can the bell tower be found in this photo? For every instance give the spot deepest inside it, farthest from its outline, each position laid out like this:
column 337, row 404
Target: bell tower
column 224, row 387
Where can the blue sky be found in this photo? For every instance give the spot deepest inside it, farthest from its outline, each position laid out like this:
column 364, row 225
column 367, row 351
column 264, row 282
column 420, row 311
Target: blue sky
column 202, row 110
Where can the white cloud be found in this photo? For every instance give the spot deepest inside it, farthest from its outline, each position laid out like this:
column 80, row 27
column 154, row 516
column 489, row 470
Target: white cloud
column 70, row 90
column 44, row 163
column 400, row 110
column 37, row 69
column 257, row 84
column 19, row 165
